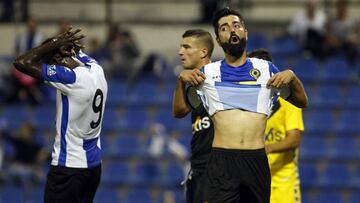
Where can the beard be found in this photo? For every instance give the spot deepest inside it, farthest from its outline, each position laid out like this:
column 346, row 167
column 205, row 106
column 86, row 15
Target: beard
column 235, row 50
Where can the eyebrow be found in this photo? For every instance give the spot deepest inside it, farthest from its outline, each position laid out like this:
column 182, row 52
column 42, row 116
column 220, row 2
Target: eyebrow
column 185, row 45
column 234, row 22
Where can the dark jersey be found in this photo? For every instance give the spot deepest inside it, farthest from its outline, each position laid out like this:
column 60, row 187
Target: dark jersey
column 203, row 133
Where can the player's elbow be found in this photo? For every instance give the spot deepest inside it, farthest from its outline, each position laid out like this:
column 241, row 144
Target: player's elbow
column 179, row 113
column 19, row 64
column 303, row 102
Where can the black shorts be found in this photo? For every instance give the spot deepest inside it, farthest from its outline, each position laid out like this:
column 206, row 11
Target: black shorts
column 195, row 187
column 234, row 176
column 72, row 185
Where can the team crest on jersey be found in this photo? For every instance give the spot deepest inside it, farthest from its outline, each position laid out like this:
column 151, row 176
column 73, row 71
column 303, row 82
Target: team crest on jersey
column 51, row 70
column 255, row 73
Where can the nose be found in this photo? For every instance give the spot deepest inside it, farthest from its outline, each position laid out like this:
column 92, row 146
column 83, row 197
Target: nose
column 180, row 52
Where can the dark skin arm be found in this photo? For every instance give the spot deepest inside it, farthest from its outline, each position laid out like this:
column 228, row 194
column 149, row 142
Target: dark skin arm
column 30, row 62
column 298, row 95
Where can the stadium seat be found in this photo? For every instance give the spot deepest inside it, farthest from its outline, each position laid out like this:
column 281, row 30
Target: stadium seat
column 116, row 93
column 148, row 173
column 139, row 196
column 306, row 197
column 128, row 145
column 110, row 119
column 329, row 197
column 336, row 69
column 313, row 148
column 307, row 69
column 345, row 149
column 44, row 117
column 319, row 122
column 108, row 195
column 354, row 197
column 329, row 96
column 11, row 194
column 308, row 175
column 352, row 99
column 336, row 176
column 144, row 93
column 174, row 174
column 256, row 41
column 165, row 117
column 15, row 115
column 348, row 122
column 117, row 173
column 134, row 119
column 285, row 46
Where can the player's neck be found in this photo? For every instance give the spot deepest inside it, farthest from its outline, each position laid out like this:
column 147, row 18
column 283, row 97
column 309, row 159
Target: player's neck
column 203, row 63
column 235, row 61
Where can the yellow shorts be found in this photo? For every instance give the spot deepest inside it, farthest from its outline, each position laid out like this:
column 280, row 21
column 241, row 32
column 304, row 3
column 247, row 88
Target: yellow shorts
column 285, row 194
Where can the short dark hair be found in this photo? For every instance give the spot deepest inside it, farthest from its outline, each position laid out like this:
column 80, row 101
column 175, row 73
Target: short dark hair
column 261, row 54
column 203, row 36
column 222, row 13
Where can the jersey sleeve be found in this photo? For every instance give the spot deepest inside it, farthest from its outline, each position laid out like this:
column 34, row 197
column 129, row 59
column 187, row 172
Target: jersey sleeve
column 294, row 119
column 273, row 69
column 60, row 77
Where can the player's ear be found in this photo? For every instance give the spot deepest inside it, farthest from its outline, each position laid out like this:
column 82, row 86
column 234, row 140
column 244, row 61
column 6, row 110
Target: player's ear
column 204, row 52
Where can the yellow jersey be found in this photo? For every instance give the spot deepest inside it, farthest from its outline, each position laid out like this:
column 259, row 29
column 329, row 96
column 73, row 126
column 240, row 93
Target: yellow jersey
column 284, row 165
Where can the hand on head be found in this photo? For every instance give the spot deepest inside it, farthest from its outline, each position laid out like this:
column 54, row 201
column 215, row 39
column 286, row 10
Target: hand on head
column 68, row 40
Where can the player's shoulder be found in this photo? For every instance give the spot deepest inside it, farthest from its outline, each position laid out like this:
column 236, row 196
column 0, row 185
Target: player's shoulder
column 286, row 104
column 261, row 62
column 211, row 66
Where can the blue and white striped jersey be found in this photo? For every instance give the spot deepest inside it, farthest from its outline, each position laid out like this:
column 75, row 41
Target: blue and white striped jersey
column 242, row 87
column 80, row 103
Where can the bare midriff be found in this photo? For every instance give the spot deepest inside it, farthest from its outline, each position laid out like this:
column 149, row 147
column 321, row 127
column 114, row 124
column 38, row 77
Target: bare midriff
column 239, row 129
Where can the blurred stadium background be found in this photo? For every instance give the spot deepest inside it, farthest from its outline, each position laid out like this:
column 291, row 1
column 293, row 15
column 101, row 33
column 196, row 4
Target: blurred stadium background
column 139, row 98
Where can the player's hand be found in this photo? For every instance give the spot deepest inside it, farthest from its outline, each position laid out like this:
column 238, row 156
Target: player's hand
column 194, row 77
column 281, row 79
column 67, row 38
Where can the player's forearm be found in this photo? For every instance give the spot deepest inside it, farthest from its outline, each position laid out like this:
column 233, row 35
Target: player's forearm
column 30, row 62
column 298, row 95
column 180, row 107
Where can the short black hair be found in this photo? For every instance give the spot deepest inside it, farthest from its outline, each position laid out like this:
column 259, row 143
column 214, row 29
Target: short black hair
column 203, row 36
column 222, row 13
column 261, row 54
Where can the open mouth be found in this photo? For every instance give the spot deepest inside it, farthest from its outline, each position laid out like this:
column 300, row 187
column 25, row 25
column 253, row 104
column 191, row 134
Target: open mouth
column 234, row 39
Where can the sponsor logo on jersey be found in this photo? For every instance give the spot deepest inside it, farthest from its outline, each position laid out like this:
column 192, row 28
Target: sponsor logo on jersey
column 51, row 70
column 201, row 124
column 255, row 73
column 273, row 136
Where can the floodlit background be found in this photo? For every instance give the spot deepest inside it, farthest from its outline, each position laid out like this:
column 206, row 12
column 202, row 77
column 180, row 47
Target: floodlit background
column 145, row 150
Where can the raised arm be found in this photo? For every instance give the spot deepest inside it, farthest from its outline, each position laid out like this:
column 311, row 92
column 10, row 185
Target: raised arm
column 180, row 106
column 285, row 78
column 30, row 62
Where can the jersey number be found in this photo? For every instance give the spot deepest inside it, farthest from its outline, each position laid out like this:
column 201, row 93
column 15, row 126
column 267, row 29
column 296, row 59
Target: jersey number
column 97, row 108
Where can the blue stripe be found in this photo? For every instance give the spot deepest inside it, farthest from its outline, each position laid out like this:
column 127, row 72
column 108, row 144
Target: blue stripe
column 229, row 84
column 93, row 152
column 236, row 74
column 86, row 60
column 64, row 123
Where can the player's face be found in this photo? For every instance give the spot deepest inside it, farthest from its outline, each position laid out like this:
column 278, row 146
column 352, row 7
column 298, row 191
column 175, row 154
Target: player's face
column 190, row 52
column 232, row 35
